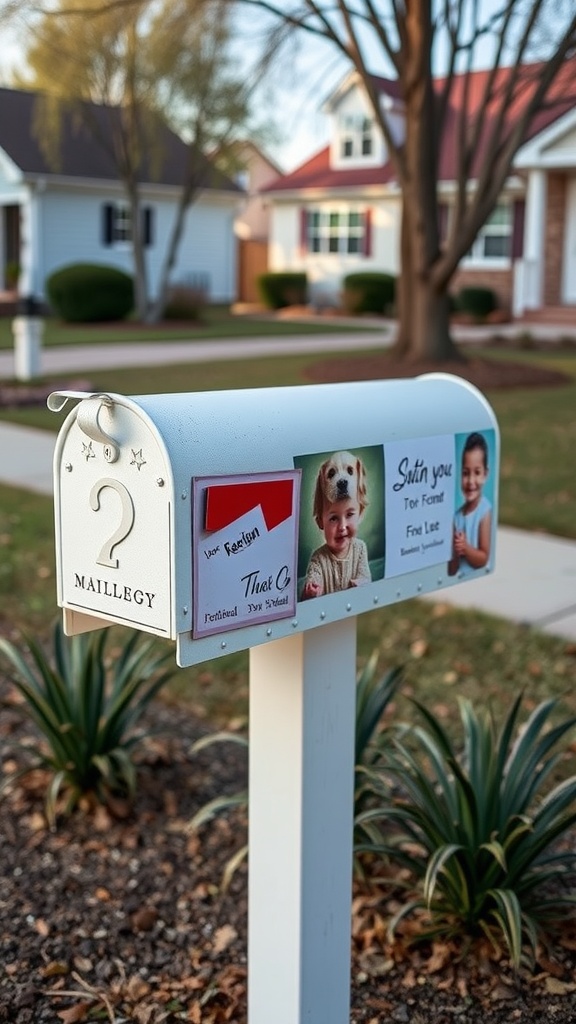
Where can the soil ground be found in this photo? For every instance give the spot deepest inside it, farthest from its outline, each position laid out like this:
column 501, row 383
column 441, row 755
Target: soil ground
column 117, row 915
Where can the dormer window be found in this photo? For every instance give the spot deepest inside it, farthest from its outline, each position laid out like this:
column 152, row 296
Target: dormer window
column 356, row 136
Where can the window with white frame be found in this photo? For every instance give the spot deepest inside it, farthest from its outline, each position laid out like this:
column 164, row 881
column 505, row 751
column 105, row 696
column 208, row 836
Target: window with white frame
column 356, row 136
column 336, row 231
column 117, row 224
column 494, row 240
column 122, row 224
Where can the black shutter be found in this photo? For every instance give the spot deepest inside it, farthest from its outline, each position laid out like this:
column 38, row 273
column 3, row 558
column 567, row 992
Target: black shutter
column 107, row 224
column 148, row 225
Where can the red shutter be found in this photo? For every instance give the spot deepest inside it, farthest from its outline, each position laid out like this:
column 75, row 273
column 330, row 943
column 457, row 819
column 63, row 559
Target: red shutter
column 519, row 210
column 303, row 231
column 368, row 232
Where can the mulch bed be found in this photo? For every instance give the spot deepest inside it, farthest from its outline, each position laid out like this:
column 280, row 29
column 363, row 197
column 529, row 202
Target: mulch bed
column 485, row 374
column 118, row 915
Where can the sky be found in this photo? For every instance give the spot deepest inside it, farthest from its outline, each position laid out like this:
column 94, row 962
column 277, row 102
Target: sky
column 292, row 101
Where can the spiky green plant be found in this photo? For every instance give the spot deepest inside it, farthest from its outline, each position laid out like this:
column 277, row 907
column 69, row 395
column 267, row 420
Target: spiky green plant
column 476, row 830
column 373, row 694
column 86, row 706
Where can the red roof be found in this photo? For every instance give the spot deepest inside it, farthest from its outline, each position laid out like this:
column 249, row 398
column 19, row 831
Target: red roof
column 316, row 173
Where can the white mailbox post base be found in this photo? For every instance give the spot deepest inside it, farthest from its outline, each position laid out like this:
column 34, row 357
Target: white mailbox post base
column 27, row 332
column 301, row 785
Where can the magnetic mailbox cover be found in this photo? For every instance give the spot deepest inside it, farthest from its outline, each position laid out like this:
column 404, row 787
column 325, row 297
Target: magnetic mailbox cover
column 393, row 460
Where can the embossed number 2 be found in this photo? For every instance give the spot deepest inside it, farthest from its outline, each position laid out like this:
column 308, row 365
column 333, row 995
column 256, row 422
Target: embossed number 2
column 126, row 521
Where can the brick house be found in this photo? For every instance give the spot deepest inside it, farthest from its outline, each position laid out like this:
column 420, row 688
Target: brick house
column 340, row 211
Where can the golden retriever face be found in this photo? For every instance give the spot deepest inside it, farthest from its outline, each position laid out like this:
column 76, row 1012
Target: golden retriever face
column 341, row 477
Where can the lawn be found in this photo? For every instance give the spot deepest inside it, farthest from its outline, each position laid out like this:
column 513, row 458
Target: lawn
column 217, row 322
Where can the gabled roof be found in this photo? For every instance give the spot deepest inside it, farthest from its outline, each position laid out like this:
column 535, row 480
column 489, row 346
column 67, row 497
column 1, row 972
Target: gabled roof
column 316, row 172
column 81, row 156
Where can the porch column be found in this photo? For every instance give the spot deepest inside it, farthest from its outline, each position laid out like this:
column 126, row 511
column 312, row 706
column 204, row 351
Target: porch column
column 30, row 282
column 534, row 240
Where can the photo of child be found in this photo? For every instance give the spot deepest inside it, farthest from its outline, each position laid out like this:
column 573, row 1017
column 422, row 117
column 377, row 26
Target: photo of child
column 473, row 519
column 338, row 502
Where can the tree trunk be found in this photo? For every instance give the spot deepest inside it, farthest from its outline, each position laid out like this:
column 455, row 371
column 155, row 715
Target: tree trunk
column 141, row 298
column 157, row 309
column 423, row 308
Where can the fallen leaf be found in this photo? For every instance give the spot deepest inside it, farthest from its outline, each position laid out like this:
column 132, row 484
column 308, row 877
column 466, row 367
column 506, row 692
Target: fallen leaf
column 223, row 937
column 143, row 920
column 441, row 954
column 501, row 992
column 82, row 963
column 137, row 988
column 73, row 1014
column 556, row 987
column 54, row 969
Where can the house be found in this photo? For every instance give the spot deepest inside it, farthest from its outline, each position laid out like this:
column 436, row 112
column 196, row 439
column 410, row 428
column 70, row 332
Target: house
column 252, row 224
column 76, row 211
column 340, row 211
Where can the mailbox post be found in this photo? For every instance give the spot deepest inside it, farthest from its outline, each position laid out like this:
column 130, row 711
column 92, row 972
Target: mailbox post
column 205, row 518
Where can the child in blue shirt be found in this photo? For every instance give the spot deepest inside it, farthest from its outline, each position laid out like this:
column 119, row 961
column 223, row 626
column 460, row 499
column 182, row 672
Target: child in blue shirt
column 473, row 520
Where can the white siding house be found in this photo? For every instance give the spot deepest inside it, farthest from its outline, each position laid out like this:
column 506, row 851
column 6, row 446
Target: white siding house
column 340, row 211
column 79, row 213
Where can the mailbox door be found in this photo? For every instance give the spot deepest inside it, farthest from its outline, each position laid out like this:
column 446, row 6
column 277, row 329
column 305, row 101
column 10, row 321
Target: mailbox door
column 113, row 504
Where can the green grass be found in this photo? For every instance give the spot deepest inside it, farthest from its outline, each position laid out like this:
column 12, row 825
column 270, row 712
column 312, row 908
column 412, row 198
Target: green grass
column 27, row 580
column 217, row 322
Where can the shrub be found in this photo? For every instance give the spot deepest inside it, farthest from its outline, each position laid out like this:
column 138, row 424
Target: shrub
column 185, row 303
column 476, row 301
column 11, row 274
column 86, row 708
column 473, row 830
column 90, row 293
column 369, row 292
column 283, row 289
column 373, row 694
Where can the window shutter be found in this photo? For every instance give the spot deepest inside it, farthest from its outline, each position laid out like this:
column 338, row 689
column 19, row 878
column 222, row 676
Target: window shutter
column 368, row 232
column 107, row 224
column 148, row 225
column 518, row 212
column 303, row 231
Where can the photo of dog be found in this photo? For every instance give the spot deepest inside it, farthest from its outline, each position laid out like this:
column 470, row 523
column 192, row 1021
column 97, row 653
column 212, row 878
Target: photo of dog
column 341, row 476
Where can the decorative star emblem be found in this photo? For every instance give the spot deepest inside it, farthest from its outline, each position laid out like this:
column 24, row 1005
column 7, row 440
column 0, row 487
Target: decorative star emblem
column 137, row 459
column 87, row 451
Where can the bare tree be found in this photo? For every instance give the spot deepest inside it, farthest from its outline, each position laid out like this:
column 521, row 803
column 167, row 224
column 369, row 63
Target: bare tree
column 152, row 63
column 432, row 47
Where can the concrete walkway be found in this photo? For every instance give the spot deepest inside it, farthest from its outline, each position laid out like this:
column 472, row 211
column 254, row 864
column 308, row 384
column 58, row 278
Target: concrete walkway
column 535, row 578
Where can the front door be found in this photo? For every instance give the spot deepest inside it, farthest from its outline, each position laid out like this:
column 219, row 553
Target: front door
column 569, row 275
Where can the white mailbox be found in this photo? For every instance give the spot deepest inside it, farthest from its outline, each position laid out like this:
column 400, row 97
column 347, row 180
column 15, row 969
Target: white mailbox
column 224, row 520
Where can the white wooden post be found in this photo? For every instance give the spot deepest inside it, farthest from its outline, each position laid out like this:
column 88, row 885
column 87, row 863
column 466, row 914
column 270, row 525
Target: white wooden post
column 27, row 332
column 301, row 785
